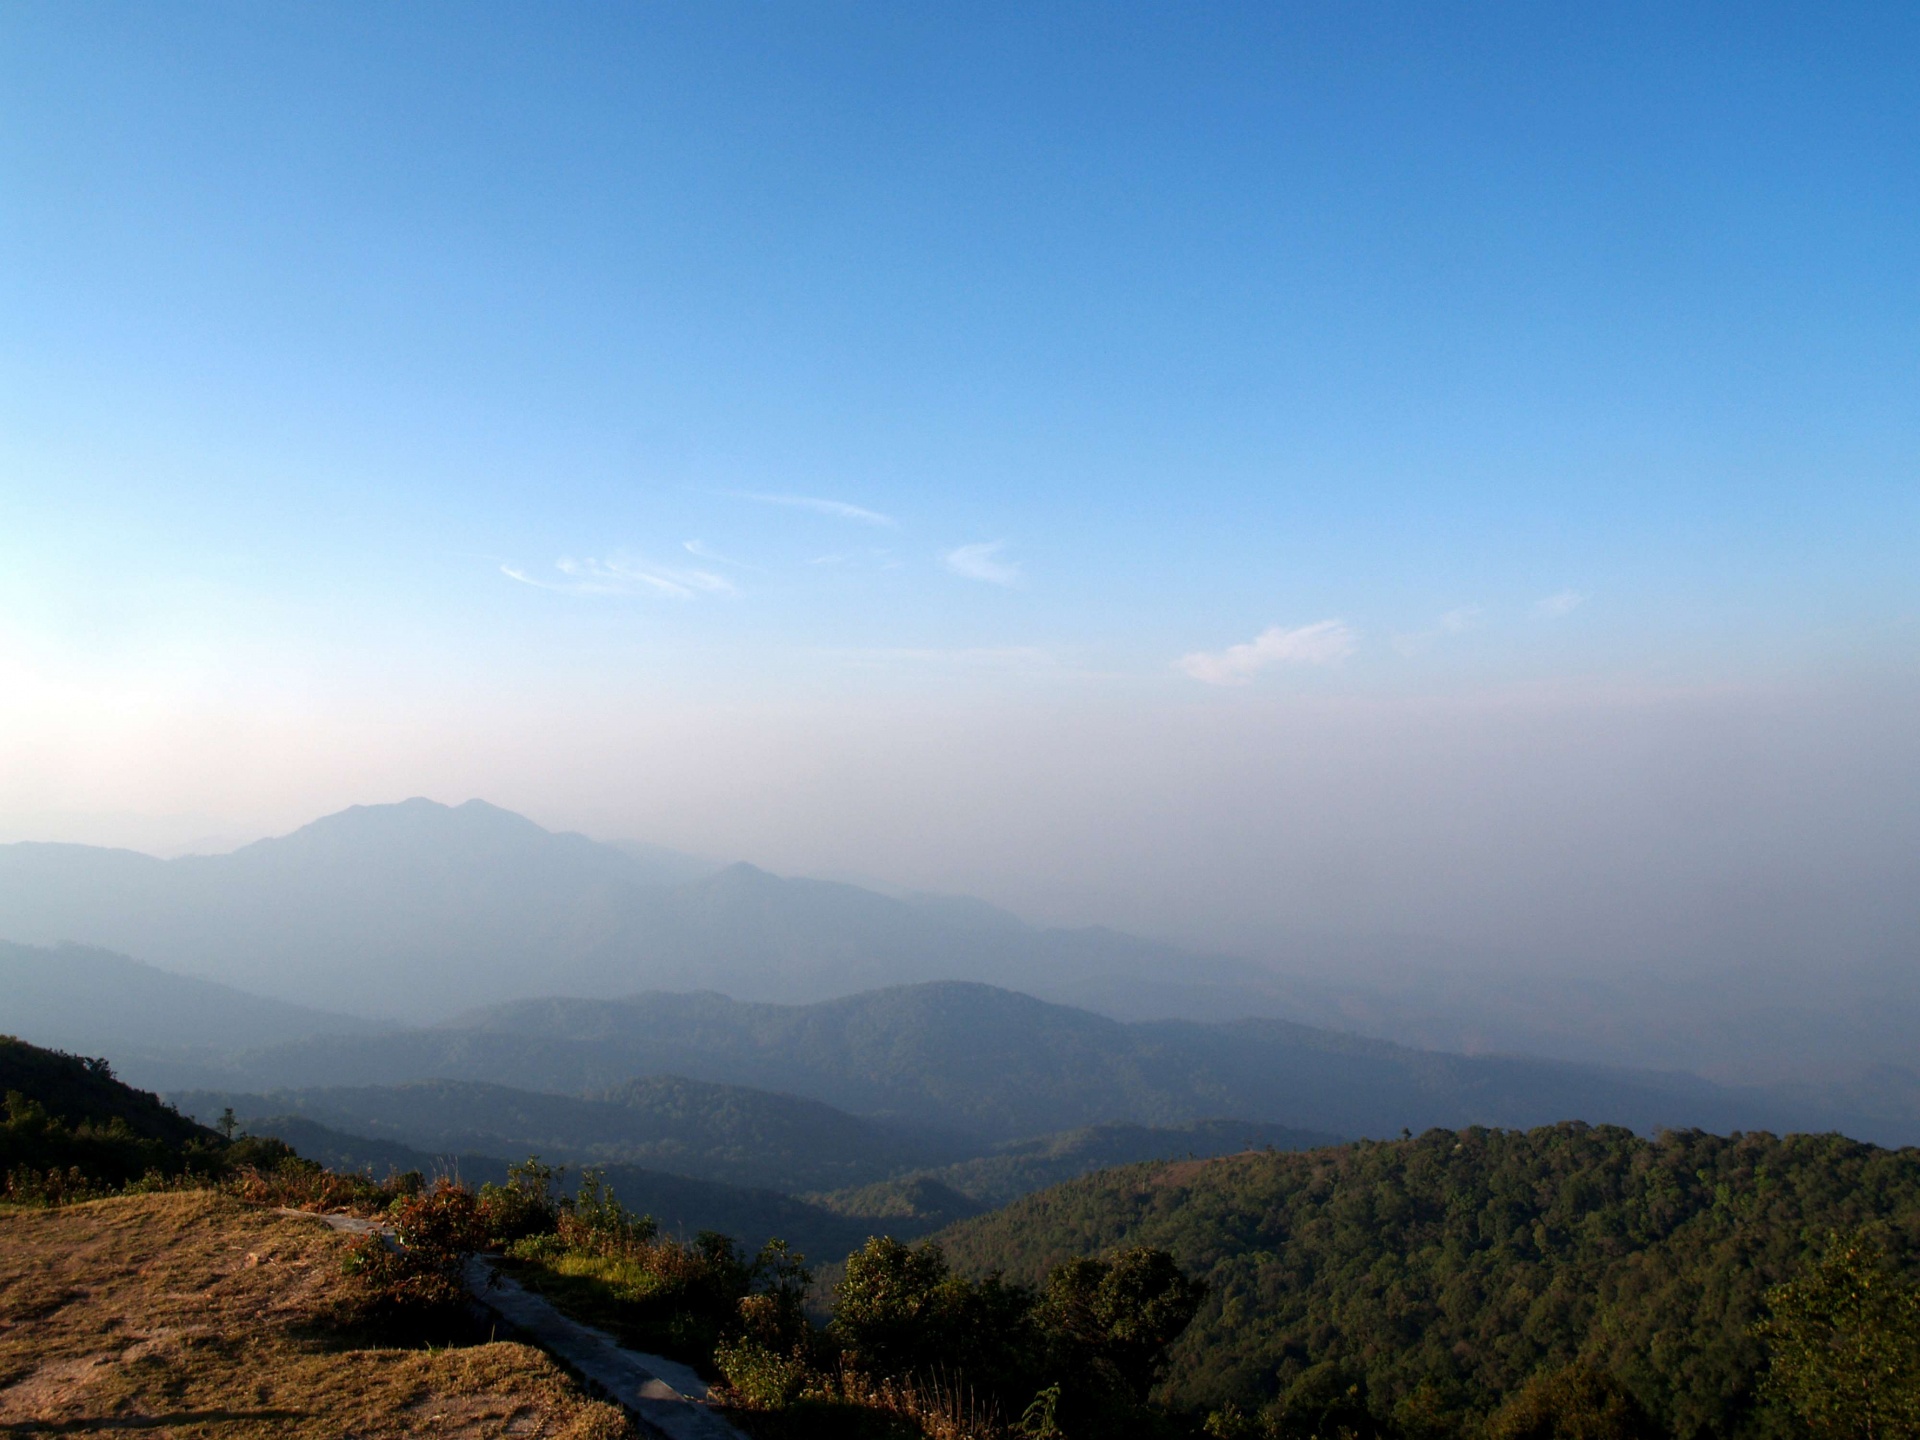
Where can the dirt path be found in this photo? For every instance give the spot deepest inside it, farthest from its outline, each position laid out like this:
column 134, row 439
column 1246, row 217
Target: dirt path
column 663, row 1393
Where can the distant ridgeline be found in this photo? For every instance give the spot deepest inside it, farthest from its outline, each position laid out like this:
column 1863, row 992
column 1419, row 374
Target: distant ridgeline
column 1411, row 1286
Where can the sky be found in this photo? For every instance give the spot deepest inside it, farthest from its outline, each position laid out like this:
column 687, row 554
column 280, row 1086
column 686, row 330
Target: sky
column 1220, row 470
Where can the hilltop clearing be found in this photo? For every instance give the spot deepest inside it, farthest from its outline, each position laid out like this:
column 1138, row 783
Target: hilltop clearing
column 194, row 1314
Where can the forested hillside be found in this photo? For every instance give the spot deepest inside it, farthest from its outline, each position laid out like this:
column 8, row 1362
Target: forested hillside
column 1019, row 1167
column 68, row 1127
column 1427, row 1280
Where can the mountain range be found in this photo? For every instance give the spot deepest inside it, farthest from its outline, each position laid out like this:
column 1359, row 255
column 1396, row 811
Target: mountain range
column 990, row 1066
column 372, row 921
column 415, row 910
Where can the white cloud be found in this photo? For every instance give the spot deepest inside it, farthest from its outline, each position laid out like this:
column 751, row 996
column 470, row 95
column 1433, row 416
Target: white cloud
column 1563, row 603
column 624, row 577
column 838, row 509
column 1322, row 643
column 1465, row 617
column 978, row 562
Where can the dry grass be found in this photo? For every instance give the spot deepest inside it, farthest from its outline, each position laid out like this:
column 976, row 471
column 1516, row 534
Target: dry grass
column 191, row 1314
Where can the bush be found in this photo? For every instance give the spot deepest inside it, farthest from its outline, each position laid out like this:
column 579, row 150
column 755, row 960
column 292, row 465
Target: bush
column 761, row 1376
column 595, row 1220
column 526, row 1206
column 302, row 1185
column 425, row 1277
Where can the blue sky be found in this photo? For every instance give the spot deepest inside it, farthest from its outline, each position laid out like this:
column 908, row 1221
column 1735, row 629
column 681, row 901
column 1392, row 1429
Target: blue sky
column 382, row 366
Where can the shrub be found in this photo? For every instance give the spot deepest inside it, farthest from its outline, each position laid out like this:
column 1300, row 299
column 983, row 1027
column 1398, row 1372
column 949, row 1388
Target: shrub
column 439, row 1231
column 595, row 1220
column 52, row 1186
column 526, row 1206
column 760, row 1376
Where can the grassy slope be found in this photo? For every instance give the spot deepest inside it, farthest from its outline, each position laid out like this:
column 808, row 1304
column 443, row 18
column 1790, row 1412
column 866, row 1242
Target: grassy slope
column 1467, row 1260
column 194, row 1315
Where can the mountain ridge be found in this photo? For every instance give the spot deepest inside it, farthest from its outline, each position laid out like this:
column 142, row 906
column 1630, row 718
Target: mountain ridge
column 996, row 1065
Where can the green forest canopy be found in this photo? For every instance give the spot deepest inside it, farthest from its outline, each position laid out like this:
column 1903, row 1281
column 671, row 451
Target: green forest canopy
column 1440, row 1273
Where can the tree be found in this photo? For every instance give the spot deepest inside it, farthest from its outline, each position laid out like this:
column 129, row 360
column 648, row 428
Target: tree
column 1120, row 1315
column 1844, row 1343
column 893, row 1311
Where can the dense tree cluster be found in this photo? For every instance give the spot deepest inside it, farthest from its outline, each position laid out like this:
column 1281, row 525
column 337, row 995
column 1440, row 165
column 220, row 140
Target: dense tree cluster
column 1418, row 1286
column 1074, row 1357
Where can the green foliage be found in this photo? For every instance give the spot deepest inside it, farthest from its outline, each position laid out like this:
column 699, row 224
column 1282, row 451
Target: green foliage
column 1576, row 1402
column 702, row 1301
column 1844, row 1338
column 71, row 1130
column 898, row 1310
column 1441, row 1274
column 1115, row 1319
column 762, row 1376
column 82, row 1090
column 527, row 1205
column 1324, row 1402
column 1073, row 1359
column 595, row 1219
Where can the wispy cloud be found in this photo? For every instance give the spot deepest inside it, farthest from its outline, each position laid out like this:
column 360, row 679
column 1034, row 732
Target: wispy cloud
column 625, row 577
column 987, row 657
column 838, row 509
column 1456, row 621
column 981, row 562
column 700, row 550
column 1322, row 643
column 1565, row 602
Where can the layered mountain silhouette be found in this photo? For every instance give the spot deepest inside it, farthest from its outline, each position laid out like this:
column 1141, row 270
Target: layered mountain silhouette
column 391, row 915
column 416, row 910
column 73, row 997
column 994, row 1066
